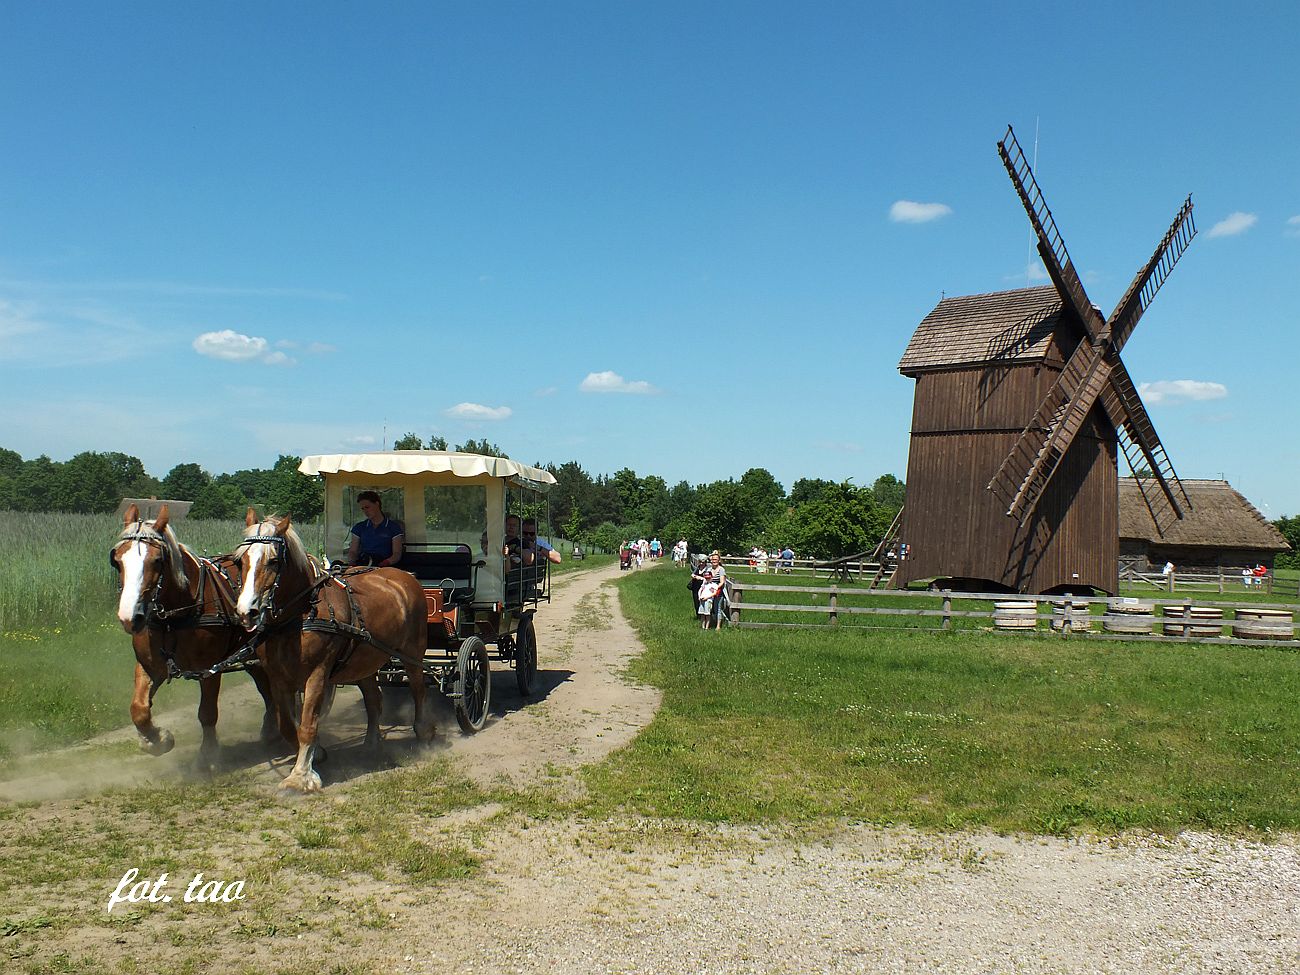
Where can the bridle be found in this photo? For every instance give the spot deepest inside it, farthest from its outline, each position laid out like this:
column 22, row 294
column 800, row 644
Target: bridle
column 269, row 616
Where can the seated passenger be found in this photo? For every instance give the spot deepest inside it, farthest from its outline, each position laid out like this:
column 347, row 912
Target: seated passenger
column 513, row 549
column 378, row 539
column 538, row 545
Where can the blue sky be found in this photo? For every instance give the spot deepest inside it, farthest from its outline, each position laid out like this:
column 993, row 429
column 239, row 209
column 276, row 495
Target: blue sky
column 676, row 237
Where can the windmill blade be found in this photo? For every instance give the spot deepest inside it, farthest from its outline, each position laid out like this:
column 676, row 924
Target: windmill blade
column 1025, row 473
column 1126, row 412
column 1152, row 275
column 1051, row 246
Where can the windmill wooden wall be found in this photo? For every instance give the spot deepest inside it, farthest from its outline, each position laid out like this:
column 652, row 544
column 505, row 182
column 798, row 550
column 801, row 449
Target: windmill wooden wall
column 982, row 364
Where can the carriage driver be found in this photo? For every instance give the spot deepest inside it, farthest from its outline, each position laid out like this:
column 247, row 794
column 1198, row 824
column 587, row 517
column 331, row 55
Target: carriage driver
column 378, row 539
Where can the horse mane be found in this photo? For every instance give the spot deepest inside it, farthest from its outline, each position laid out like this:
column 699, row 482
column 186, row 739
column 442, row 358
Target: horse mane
column 296, row 551
column 170, row 544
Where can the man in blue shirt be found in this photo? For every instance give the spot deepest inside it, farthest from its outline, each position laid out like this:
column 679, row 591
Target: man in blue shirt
column 531, row 541
column 377, row 540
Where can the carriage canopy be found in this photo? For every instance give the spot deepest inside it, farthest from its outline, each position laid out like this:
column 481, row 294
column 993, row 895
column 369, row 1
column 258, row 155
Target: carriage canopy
column 445, row 499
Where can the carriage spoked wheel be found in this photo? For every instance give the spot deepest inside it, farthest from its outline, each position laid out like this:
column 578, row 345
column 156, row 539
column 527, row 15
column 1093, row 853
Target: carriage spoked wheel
column 474, row 670
column 526, row 657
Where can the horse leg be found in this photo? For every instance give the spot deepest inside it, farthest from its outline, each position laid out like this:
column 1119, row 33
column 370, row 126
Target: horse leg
column 374, row 702
column 304, row 777
column 270, row 733
column 209, row 689
column 425, row 726
column 154, row 740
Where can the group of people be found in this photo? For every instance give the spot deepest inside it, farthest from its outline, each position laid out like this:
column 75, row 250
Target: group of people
column 634, row 553
column 708, row 590
column 378, row 540
column 781, row 559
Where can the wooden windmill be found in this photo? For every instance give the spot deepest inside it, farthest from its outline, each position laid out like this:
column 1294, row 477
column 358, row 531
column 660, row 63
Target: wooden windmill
column 1022, row 407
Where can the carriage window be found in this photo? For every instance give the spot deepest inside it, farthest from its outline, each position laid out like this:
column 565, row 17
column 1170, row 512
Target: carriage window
column 390, row 499
column 455, row 514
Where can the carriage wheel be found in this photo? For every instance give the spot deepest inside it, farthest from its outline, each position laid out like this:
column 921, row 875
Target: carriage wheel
column 475, row 672
column 526, row 657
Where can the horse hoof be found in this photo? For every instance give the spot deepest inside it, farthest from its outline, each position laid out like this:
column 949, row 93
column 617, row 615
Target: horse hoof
column 427, row 734
column 164, row 743
column 309, row 782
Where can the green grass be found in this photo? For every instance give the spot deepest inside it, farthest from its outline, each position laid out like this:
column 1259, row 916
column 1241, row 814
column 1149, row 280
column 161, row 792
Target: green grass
column 953, row 730
column 64, row 684
column 54, row 567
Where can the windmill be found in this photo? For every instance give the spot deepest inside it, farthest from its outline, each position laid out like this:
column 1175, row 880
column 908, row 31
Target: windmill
column 1022, row 408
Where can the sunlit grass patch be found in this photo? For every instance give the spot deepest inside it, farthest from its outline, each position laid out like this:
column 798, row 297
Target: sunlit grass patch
column 953, row 729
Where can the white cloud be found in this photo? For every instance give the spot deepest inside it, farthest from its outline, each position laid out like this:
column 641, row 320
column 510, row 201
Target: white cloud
column 1233, row 224
column 361, row 440
column 907, row 211
column 1179, row 390
column 232, row 346
column 1293, row 226
column 612, row 382
column 477, row 411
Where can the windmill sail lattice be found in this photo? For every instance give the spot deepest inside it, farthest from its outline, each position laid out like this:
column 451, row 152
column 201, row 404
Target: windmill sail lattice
column 1093, row 374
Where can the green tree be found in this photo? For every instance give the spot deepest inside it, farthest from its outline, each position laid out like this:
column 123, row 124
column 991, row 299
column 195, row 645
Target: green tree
column 436, row 442
column 766, row 496
column 843, row 520
column 807, row 489
column 410, row 441
column 220, row 501
column 472, row 446
column 293, row 493
column 1290, row 528
column 87, row 483
column 889, row 491
column 35, row 485
column 722, row 518
column 185, row 482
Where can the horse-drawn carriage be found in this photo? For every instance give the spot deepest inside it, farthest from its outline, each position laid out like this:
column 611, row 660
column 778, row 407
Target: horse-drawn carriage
column 462, row 583
column 481, row 587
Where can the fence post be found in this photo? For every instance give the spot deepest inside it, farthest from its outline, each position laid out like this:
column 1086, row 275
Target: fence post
column 1187, row 618
column 737, row 597
column 835, row 618
column 947, row 609
column 1269, row 577
column 1220, row 580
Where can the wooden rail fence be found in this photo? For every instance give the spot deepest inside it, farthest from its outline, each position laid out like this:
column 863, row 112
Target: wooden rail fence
column 1073, row 617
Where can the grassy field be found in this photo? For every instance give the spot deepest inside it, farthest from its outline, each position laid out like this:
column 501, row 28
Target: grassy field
column 939, row 730
column 954, row 730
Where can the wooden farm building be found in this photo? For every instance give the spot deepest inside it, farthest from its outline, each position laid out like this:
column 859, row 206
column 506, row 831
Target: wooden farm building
column 1222, row 530
column 982, row 364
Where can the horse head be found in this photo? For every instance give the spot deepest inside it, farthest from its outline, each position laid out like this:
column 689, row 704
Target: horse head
column 270, row 552
column 144, row 554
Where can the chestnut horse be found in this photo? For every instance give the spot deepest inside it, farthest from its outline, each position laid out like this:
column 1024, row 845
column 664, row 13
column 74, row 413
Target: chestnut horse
column 180, row 612
column 318, row 629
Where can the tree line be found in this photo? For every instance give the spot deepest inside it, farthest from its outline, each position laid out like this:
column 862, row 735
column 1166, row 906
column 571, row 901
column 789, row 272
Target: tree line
column 817, row 518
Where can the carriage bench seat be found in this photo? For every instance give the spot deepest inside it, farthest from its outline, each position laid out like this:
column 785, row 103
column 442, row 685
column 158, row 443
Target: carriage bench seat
column 435, row 567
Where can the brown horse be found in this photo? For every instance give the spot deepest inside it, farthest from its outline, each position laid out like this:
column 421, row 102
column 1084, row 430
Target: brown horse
column 180, row 612
column 319, row 630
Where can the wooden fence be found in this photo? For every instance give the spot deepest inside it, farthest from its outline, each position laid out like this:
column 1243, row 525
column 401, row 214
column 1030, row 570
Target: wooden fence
column 1223, row 580
column 1073, row 617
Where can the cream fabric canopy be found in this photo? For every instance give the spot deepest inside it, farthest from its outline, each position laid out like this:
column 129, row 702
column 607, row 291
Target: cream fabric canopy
column 422, row 462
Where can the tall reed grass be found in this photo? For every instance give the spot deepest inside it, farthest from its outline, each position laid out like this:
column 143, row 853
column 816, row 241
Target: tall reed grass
column 54, row 566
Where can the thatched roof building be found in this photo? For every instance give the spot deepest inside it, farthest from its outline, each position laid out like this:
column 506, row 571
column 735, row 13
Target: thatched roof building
column 1223, row 529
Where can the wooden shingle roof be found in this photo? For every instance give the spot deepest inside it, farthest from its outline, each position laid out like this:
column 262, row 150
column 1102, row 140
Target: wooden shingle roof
column 1002, row 327
column 1220, row 518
